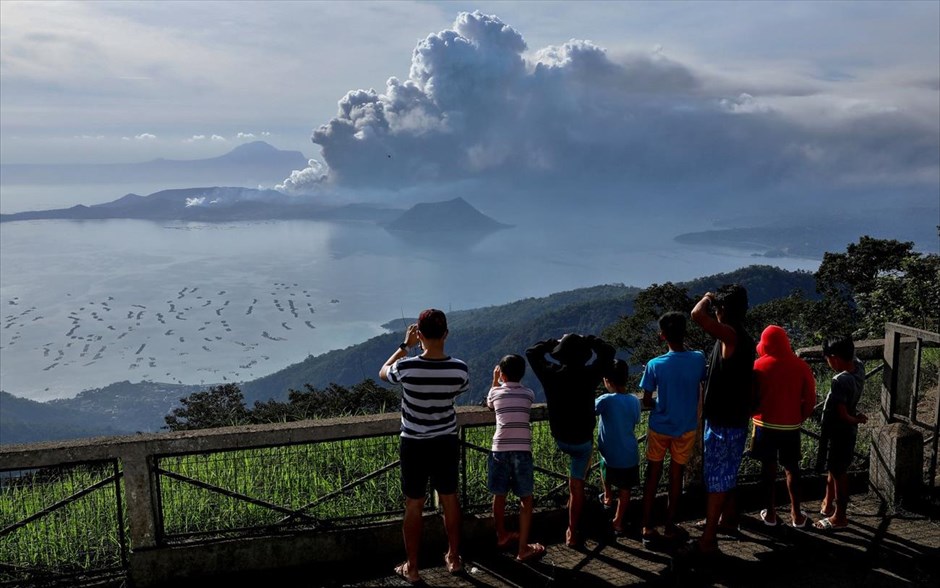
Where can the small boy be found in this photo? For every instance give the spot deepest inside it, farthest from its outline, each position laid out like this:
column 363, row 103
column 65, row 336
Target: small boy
column 839, row 428
column 510, row 462
column 676, row 377
column 619, row 414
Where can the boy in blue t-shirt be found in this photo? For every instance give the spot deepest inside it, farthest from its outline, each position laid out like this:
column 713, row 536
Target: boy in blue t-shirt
column 676, row 377
column 619, row 464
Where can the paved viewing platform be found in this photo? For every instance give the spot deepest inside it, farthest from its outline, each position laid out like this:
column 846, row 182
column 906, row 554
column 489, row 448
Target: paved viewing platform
column 880, row 548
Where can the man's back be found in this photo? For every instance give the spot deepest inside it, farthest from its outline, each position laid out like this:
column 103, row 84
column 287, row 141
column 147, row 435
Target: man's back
column 429, row 387
column 569, row 388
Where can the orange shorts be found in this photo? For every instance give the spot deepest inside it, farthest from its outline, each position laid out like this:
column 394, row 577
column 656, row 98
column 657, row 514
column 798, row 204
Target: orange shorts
column 680, row 448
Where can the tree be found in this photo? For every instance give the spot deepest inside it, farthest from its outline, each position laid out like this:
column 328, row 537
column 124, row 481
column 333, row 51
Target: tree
column 639, row 332
column 793, row 313
column 222, row 406
column 219, row 406
column 366, row 397
column 876, row 281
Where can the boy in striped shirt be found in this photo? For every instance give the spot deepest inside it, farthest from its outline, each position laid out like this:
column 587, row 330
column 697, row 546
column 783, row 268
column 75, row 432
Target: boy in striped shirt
column 510, row 461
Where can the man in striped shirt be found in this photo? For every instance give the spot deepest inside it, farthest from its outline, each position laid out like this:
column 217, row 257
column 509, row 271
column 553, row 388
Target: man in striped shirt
column 429, row 448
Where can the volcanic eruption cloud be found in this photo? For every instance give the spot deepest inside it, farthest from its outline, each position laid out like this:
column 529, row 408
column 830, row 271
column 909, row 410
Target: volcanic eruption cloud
column 478, row 104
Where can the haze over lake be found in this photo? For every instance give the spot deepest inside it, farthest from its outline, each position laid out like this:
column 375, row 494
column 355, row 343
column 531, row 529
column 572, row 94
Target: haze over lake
column 88, row 303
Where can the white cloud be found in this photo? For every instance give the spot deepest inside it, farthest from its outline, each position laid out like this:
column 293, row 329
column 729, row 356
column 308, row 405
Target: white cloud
column 245, row 136
column 145, row 137
column 219, row 138
column 195, row 138
column 478, row 105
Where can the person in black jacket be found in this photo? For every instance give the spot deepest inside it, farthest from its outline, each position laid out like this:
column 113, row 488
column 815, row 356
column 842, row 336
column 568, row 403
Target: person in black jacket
column 570, row 383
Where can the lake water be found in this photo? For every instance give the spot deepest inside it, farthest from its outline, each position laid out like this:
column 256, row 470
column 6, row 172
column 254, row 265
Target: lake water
column 88, row 303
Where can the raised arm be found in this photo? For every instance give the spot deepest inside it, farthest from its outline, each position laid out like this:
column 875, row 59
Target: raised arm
column 411, row 339
column 721, row 331
column 535, row 355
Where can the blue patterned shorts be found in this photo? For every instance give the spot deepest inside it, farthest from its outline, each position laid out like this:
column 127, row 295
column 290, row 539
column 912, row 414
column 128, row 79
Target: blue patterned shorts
column 723, row 450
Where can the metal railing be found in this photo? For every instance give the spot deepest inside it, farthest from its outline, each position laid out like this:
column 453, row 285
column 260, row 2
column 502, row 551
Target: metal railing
column 907, row 412
column 62, row 523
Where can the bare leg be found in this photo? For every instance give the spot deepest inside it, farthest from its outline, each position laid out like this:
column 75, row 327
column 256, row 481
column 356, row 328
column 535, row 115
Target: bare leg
column 608, row 491
column 840, row 518
column 411, row 530
column 451, row 507
column 829, row 500
column 654, row 470
column 527, row 550
column 675, row 491
column 793, row 488
column 623, row 501
column 503, row 537
column 769, row 482
column 575, row 505
column 714, row 506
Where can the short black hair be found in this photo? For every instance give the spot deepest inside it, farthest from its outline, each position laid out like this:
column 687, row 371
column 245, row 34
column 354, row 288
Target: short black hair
column 732, row 300
column 618, row 372
column 512, row 367
column 842, row 347
column 432, row 323
column 673, row 326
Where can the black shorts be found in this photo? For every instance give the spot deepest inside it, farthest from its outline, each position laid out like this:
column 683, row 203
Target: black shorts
column 841, row 451
column 620, row 478
column 435, row 459
column 775, row 445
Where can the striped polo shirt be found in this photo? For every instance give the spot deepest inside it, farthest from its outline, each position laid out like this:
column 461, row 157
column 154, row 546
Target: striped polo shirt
column 429, row 387
column 512, row 402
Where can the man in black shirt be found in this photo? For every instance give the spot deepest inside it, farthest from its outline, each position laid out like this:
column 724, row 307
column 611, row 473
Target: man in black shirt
column 727, row 405
column 569, row 388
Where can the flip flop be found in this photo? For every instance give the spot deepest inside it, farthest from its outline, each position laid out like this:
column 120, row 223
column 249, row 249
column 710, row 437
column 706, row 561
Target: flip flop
column 823, row 512
column 538, row 550
column 692, row 549
column 402, row 571
column 806, row 521
column 453, row 567
column 764, row 516
column 676, row 534
column 651, row 538
column 826, row 526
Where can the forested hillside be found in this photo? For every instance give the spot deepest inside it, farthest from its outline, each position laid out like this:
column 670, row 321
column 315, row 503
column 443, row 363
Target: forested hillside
column 481, row 336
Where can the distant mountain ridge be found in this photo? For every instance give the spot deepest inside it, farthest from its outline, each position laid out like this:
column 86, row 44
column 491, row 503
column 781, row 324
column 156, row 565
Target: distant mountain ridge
column 212, row 204
column 249, row 164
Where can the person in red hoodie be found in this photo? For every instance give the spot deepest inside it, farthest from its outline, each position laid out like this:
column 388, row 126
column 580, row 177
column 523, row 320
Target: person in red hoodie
column 786, row 396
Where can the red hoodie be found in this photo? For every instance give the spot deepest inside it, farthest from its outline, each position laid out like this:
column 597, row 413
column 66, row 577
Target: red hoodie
column 786, row 387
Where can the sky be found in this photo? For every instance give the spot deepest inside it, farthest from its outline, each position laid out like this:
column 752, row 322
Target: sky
column 395, row 94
